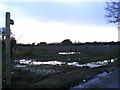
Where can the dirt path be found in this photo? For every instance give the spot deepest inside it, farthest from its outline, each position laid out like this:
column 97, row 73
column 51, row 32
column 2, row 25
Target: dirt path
column 105, row 80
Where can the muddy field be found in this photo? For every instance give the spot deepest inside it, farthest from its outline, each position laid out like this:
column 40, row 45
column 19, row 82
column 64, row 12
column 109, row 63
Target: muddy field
column 61, row 70
column 39, row 73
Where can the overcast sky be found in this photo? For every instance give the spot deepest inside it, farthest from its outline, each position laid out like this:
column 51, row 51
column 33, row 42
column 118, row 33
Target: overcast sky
column 56, row 21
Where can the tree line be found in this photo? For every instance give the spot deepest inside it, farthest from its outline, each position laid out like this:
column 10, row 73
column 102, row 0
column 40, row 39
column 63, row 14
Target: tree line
column 68, row 42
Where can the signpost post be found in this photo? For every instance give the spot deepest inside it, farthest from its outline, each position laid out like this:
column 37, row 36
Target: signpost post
column 7, row 48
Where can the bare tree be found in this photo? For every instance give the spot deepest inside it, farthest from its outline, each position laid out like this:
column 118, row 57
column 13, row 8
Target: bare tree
column 113, row 9
column 2, row 33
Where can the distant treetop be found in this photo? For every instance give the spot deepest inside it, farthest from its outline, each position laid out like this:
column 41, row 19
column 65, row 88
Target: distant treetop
column 66, row 42
column 42, row 43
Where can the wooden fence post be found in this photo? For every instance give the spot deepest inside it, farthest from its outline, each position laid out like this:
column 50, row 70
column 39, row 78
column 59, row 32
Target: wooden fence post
column 7, row 49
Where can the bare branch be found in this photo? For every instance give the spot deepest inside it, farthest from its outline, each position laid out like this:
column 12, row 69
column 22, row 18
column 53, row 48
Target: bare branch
column 113, row 9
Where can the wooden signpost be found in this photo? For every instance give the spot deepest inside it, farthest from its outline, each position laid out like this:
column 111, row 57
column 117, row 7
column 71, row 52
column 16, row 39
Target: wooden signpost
column 7, row 48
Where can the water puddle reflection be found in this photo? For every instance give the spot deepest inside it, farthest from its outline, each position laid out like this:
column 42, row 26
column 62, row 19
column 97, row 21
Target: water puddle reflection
column 93, row 64
column 68, row 53
column 24, row 62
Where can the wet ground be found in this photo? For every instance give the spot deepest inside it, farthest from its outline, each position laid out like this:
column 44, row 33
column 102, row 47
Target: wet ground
column 104, row 80
column 24, row 62
column 68, row 74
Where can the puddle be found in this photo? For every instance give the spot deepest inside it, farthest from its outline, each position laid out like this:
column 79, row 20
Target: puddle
column 112, row 60
column 49, row 63
column 68, row 53
column 92, row 64
column 33, row 62
column 25, row 62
